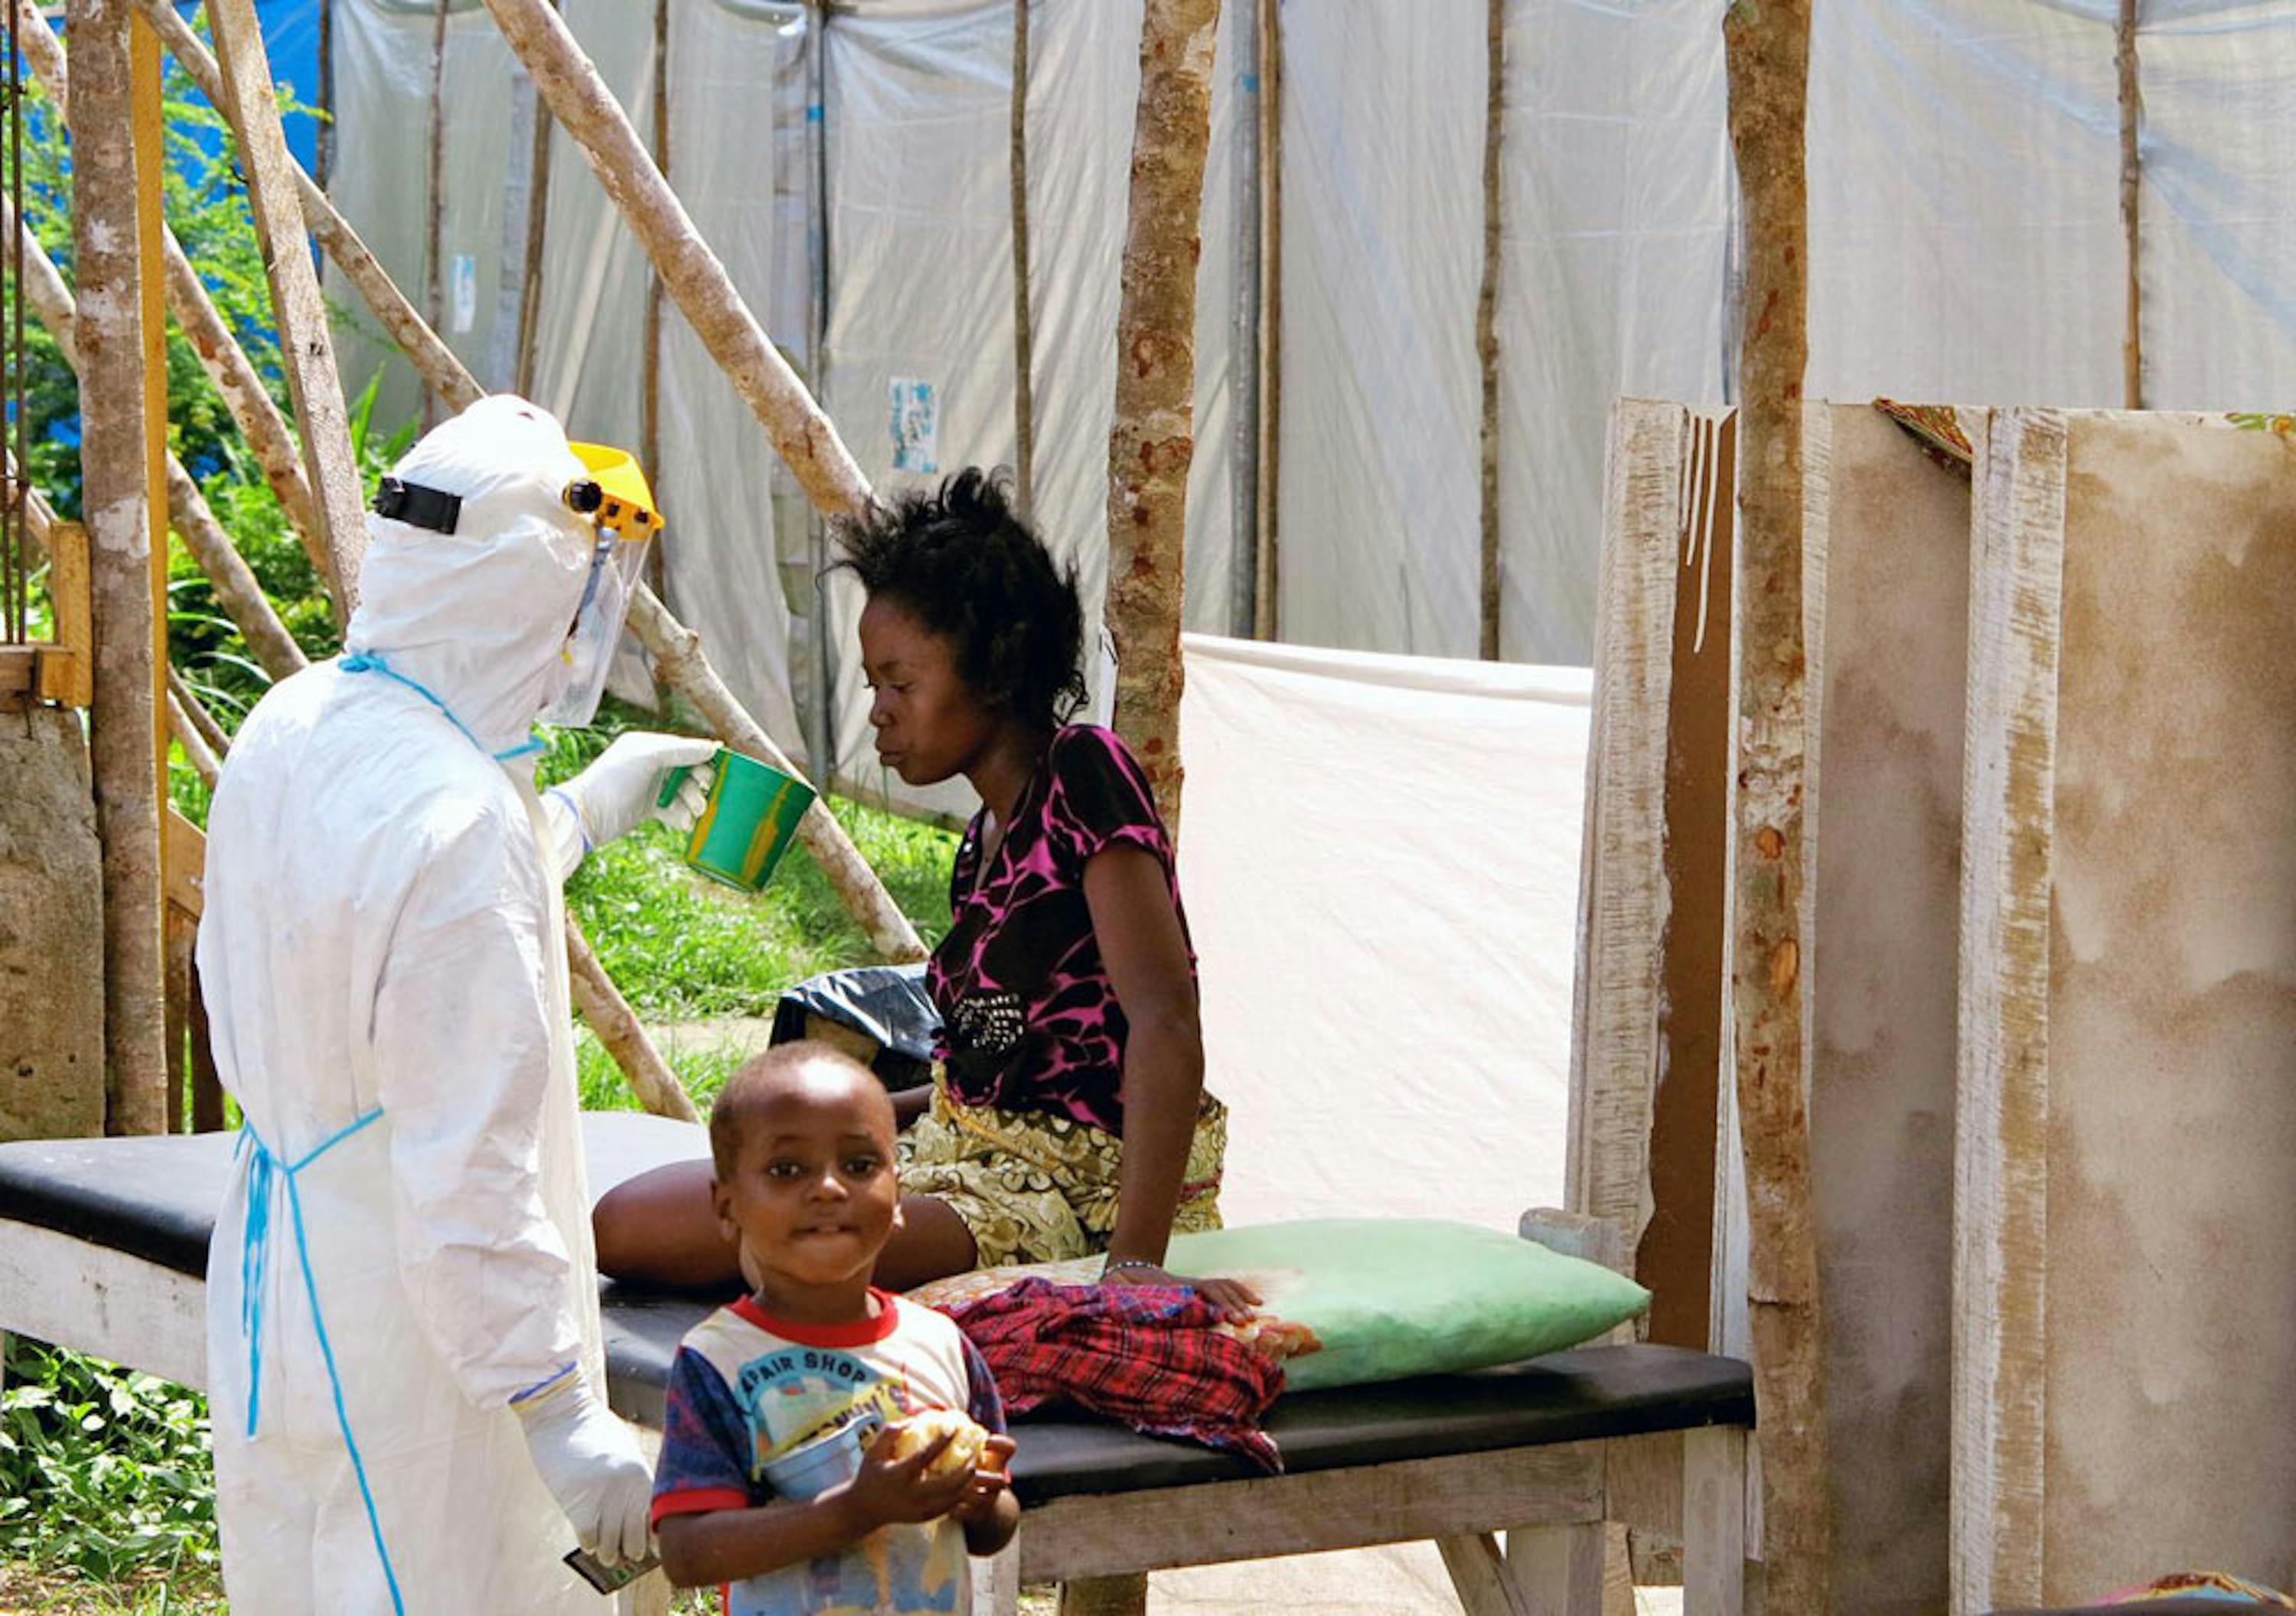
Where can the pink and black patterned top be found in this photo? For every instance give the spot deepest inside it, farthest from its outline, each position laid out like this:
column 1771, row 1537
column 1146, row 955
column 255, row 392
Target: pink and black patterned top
column 1029, row 1020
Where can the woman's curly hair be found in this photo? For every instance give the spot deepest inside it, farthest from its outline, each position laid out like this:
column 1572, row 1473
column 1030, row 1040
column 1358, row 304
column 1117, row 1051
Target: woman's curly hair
column 965, row 565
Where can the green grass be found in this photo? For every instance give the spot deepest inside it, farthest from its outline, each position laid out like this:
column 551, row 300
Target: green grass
column 682, row 947
column 107, row 1487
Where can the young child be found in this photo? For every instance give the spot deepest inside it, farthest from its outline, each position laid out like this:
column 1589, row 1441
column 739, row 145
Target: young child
column 779, row 1475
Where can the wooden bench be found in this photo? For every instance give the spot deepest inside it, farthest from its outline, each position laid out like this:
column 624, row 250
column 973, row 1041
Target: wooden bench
column 104, row 1250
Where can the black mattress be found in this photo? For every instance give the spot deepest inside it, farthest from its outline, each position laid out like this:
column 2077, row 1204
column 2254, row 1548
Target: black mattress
column 155, row 1198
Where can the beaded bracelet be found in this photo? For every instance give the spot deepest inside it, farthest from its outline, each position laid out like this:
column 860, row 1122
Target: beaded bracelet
column 1114, row 1263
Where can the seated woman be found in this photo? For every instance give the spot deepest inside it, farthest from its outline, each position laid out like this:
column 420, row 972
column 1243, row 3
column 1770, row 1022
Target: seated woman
column 1068, row 1113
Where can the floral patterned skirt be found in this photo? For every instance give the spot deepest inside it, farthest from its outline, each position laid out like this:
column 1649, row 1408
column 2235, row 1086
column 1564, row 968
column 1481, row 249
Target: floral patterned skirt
column 1038, row 1187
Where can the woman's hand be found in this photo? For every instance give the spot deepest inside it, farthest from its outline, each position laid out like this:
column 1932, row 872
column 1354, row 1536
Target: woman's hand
column 1233, row 1299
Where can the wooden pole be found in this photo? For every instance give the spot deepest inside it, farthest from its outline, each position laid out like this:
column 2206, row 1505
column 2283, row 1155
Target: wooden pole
column 618, row 1028
column 218, row 351
column 237, row 592
column 124, row 723
column 538, row 234
column 2132, row 113
column 434, row 200
column 1150, row 445
column 1024, row 344
column 1267, row 620
column 193, row 736
column 305, row 346
column 1244, row 336
column 147, row 130
column 184, row 704
column 1486, row 326
column 1767, row 45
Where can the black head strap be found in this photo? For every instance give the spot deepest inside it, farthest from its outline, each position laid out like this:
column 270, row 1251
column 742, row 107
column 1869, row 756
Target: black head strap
column 417, row 506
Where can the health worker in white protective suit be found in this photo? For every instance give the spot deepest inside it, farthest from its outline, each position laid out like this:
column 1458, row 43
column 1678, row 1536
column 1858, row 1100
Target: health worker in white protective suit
column 407, row 1389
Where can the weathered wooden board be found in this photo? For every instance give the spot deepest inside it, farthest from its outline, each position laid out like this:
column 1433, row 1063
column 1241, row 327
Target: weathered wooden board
column 1886, row 554
column 1886, row 547
column 1646, row 1032
column 2124, row 1322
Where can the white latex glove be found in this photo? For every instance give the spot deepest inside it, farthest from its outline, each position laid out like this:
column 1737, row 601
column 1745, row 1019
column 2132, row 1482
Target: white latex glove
column 591, row 1463
column 615, row 795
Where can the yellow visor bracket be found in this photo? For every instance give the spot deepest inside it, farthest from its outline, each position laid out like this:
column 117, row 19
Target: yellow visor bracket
column 615, row 495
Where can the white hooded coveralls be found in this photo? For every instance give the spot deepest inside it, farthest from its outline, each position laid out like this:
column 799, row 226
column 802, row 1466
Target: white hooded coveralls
column 385, row 975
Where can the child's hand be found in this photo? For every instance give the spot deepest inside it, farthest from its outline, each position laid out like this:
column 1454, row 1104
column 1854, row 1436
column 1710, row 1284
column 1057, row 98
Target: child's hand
column 1231, row 1298
column 890, row 1489
column 987, row 1482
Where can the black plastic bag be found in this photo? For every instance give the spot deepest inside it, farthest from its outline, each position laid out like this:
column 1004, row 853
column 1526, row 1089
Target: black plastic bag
column 884, row 1004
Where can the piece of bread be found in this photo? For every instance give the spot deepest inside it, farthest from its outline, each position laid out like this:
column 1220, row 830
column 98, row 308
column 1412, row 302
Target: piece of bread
column 923, row 1429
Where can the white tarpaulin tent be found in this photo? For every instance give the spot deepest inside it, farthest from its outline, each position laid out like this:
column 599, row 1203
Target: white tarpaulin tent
column 1966, row 242
column 1966, row 235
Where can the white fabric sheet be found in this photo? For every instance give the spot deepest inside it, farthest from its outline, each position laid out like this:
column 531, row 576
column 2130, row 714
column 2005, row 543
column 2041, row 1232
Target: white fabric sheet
column 1964, row 225
column 1380, row 859
column 921, row 280
column 737, row 161
column 1615, row 211
column 380, row 180
column 1383, row 257
column 1965, row 243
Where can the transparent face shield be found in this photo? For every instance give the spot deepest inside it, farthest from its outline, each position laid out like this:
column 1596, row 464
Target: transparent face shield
column 616, row 499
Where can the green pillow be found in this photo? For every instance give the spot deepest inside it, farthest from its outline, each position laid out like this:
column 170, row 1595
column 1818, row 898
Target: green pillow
column 1387, row 1298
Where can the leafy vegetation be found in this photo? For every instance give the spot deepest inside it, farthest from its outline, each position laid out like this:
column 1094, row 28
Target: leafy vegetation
column 104, row 1473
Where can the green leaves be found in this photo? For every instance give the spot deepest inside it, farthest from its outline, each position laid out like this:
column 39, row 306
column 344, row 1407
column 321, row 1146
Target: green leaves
column 104, row 1471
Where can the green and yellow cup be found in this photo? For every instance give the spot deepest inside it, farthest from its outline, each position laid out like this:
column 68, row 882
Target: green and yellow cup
column 750, row 820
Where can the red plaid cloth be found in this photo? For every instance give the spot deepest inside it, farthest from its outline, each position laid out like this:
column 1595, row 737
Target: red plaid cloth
column 1145, row 1355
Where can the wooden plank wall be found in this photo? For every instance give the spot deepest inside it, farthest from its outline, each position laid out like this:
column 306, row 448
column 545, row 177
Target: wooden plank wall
column 2052, row 976
column 2128, row 1111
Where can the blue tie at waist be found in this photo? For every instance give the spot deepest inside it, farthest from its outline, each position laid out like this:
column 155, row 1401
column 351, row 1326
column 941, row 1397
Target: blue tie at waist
column 266, row 1174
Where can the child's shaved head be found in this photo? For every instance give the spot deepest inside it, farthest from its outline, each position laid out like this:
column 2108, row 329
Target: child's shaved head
column 806, row 1070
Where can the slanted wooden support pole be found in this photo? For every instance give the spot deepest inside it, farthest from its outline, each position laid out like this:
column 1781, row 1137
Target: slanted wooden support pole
column 691, row 274
column 694, row 280
column 219, row 354
column 192, row 737
column 433, row 359
column 306, row 347
column 123, row 725
column 618, row 1028
column 237, row 592
column 1152, row 442
column 185, row 704
column 1766, row 44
